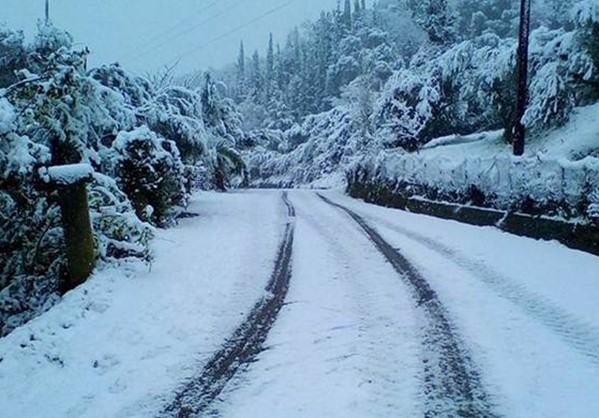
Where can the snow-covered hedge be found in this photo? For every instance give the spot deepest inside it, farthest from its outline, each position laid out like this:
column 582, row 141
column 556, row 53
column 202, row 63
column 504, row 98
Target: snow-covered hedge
column 140, row 146
column 555, row 187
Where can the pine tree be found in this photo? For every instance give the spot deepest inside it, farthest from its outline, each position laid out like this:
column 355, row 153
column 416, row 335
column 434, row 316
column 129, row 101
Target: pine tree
column 347, row 17
column 256, row 74
column 241, row 72
column 270, row 59
column 436, row 19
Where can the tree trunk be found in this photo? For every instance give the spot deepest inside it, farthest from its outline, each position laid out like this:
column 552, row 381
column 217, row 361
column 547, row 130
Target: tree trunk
column 522, row 99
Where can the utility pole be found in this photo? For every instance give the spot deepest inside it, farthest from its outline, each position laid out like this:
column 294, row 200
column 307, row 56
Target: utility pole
column 522, row 97
column 47, row 12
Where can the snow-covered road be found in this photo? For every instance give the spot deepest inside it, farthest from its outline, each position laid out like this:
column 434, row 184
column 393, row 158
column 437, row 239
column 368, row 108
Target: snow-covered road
column 387, row 314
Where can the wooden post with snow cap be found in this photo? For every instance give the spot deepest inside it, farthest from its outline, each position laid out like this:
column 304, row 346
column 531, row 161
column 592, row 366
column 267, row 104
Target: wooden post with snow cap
column 71, row 182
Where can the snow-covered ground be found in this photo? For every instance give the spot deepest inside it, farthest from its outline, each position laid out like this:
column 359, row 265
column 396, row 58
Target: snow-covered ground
column 116, row 345
column 577, row 139
column 345, row 345
column 348, row 342
column 527, row 309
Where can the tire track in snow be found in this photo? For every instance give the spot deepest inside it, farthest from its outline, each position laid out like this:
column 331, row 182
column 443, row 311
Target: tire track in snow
column 578, row 334
column 452, row 383
column 391, row 374
column 247, row 340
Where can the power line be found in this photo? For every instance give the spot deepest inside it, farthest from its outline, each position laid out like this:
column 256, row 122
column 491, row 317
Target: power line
column 237, row 29
column 183, row 32
column 174, row 27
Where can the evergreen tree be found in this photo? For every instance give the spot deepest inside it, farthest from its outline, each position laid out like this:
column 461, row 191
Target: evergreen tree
column 347, row 16
column 257, row 79
column 436, row 19
column 270, row 81
column 241, row 79
column 270, row 59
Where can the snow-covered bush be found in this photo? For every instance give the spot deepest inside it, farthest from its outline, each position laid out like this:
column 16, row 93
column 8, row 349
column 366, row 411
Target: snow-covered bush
column 150, row 172
column 177, row 116
column 535, row 185
column 12, row 55
column 31, row 242
column 407, row 107
column 118, row 232
column 593, row 210
column 552, row 99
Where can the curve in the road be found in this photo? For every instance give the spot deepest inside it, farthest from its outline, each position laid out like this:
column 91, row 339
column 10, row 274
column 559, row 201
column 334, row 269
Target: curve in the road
column 452, row 383
column 246, row 342
column 580, row 335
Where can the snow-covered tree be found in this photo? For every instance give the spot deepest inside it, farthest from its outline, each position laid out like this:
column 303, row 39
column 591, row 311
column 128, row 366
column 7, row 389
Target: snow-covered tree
column 436, row 18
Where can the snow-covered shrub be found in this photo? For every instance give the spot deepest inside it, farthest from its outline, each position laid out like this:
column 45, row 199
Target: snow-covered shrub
column 150, row 172
column 552, row 99
column 225, row 165
column 31, row 240
column 177, row 116
column 221, row 118
column 118, row 232
column 535, row 185
column 585, row 12
column 405, row 108
column 13, row 55
column 62, row 108
column 50, row 39
column 593, row 210
column 560, row 67
column 136, row 91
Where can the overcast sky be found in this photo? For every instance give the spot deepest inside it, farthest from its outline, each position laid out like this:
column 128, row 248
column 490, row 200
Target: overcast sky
column 144, row 35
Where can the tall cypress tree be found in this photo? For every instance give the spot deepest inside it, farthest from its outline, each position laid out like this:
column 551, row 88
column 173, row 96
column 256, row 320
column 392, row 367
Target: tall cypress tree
column 347, row 14
column 270, row 58
column 241, row 71
column 256, row 74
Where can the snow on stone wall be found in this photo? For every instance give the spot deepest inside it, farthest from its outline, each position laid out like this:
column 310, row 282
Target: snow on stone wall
column 508, row 179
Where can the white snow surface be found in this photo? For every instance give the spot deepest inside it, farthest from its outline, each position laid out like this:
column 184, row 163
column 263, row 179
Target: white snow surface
column 526, row 308
column 122, row 343
column 345, row 344
column 70, row 174
column 348, row 341
column 577, row 139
